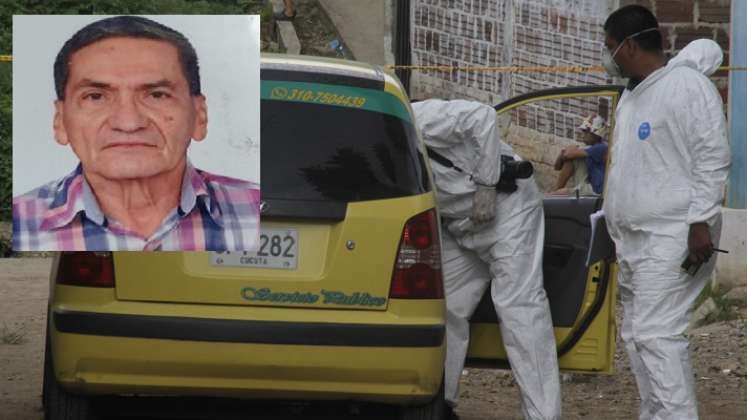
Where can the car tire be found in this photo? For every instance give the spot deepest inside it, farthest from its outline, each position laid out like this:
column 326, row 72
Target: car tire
column 57, row 402
column 434, row 410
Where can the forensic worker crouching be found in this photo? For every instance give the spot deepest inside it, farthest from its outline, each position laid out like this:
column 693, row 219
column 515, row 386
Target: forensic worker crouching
column 494, row 239
column 129, row 103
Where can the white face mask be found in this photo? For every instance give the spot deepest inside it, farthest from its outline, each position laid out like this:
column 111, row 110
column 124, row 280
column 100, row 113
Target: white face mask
column 608, row 59
column 609, row 63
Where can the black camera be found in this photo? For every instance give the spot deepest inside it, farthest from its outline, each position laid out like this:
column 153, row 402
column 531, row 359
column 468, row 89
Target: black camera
column 511, row 170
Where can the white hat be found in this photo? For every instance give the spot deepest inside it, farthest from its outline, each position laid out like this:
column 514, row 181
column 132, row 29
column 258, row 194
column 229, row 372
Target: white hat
column 595, row 124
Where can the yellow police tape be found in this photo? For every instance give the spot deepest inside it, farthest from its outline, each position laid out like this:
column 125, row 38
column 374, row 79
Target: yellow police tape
column 502, row 69
column 523, row 69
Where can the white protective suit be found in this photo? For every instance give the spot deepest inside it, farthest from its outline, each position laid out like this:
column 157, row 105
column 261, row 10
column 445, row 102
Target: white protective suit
column 669, row 164
column 505, row 253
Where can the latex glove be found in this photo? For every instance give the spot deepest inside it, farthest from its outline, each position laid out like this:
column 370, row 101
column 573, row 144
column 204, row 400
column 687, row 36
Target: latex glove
column 483, row 205
column 461, row 227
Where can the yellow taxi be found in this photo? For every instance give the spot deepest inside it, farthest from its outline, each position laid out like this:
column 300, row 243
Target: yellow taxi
column 344, row 298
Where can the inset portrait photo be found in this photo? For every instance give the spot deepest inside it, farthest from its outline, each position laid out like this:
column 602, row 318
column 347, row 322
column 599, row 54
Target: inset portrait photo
column 136, row 133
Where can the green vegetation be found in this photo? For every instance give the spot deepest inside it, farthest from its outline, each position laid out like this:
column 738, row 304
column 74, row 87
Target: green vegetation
column 726, row 309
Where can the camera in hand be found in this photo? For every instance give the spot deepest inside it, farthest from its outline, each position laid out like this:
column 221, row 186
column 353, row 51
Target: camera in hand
column 511, row 170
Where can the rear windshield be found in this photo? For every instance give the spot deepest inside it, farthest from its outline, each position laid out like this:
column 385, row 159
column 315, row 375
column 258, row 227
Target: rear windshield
column 319, row 152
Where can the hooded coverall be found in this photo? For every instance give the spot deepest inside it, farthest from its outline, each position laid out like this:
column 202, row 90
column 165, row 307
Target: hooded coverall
column 669, row 163
column 504, row 253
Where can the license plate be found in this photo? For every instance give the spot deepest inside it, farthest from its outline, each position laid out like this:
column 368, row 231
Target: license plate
column 278, row 248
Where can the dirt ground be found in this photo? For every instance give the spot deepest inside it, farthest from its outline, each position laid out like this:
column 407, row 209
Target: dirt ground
column 23, row 294
column 719, row 352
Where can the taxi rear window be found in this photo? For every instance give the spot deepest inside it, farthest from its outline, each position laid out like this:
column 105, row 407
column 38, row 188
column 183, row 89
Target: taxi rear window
column 319, row 143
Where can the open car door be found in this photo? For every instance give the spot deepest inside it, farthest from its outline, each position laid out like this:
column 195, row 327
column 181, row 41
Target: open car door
column 582, row 294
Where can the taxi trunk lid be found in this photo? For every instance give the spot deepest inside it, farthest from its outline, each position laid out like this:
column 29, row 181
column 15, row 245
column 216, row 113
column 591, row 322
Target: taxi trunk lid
column 342, row 173
column 331, row 264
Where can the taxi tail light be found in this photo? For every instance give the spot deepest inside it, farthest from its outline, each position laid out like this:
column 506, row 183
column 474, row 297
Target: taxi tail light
column 417, row 270
column 88, row 269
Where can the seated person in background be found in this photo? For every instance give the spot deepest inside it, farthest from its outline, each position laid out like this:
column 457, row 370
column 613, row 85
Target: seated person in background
column 584, row 167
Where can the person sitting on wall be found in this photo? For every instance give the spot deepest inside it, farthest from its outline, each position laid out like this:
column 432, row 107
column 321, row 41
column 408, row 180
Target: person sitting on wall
column 584, row 167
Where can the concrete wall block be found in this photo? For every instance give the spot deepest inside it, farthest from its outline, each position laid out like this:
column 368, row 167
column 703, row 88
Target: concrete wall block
column 732, row 267
column 288, row 37
column 701, row 313
column 737, row 293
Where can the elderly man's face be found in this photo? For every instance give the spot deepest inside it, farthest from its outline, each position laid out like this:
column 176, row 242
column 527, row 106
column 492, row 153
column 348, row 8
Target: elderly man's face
column 128, row 112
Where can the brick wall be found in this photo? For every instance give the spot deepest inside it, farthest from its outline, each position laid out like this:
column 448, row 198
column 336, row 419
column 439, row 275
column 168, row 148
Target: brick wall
column 540, row 33
column 459, row 33
column 569, row 33
column 557, row 36
column 683, row 21
column 512, row 33
column 501, row 33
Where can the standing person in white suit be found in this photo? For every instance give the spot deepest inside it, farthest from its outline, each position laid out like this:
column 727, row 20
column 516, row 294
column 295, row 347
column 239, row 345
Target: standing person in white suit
column 492, row 239
column 668, row 168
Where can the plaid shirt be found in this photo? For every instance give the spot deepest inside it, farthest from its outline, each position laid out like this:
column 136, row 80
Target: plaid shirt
column 215, row 213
